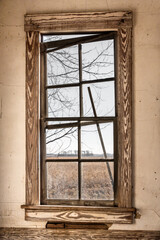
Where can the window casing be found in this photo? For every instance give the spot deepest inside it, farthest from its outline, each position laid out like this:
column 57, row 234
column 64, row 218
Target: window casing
column 121, row 22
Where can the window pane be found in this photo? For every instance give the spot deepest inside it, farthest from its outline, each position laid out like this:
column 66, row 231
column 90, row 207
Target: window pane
column 62, row 180
column 62, row 143
column 63, row 102
column 103, row 95
column 49, row 38
column 63, row 66
column 96, row 181
column 91, row 142
column 98, row 60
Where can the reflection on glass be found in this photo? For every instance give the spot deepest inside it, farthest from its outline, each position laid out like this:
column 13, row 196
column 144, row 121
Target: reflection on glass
column 62, row 180
column 92, row 143
column 98, row 60
column 62, row 143
column 103, row 97
column 96, row 181
column 63, row 66
column 63, row 102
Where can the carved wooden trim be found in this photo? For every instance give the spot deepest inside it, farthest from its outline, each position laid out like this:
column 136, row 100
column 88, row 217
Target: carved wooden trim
column 32, row 118
column 74, row 234
column 124, row 118
column 79, row 214
column 89, row 21
column 76, row 208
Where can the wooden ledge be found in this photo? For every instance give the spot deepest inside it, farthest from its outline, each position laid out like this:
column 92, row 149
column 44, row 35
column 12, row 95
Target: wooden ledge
column 79, row 214
column 74, row 234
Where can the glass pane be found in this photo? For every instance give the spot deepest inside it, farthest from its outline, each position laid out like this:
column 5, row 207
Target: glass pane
column 103, row 95
column 62, row 180
column 63, row 102
column 96, row 181
column 62, row 143
column 98, row 60
column 49, row 38
column 92, row 146
column 63, row 66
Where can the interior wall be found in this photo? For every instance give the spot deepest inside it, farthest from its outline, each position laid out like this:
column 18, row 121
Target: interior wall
column 146, row 104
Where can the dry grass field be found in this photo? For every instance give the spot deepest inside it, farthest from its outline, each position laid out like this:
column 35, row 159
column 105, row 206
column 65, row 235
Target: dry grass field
column 62, row 182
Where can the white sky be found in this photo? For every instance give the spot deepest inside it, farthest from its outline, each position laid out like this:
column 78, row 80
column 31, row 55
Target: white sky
column 65, row 102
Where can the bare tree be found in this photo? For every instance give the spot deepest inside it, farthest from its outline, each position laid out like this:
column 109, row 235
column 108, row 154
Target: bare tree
column 63, row 68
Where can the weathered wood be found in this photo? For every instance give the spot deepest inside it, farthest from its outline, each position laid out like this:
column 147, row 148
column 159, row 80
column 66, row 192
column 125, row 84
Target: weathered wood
column 79, row 214
column 79, row 119
column 80, row 22
column 124, row 118
column 32, row 126
column 74, row 234
column 90, row 21
column 91, row 203
column 76, row 208
column 77, row 225
column 83, row 216
column 55, row 225
column 105, row 202
column 78, row 84
column 43, row 111
column 74, row 124
column 75, row 41
column 100, row 137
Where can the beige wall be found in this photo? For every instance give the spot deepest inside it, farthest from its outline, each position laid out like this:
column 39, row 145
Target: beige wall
column 146, row 104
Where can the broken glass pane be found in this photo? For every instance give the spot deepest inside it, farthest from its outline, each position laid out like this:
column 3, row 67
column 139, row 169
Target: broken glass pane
column 62, row 180
column 96, row 181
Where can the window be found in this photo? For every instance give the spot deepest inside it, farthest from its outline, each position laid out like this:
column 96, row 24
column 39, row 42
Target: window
column 78, row 119
column 80, row 108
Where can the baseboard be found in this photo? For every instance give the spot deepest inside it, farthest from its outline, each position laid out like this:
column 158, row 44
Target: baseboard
column 75, row 234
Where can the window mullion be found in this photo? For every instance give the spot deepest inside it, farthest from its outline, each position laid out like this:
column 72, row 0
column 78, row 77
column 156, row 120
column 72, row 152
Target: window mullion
column 77, row 84
column 81, row 115
column 80, row 79
column 43, row 109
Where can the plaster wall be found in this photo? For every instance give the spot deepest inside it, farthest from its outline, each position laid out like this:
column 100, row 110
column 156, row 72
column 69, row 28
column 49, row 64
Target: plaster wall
column 146, row 104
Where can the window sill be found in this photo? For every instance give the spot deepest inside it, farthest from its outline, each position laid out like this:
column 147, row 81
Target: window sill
column 78, row 214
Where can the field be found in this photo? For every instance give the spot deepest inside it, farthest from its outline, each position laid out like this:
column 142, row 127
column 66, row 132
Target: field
column 62, row 182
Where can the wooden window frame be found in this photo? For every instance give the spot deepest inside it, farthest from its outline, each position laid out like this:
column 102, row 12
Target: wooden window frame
column 37, row 24
column 51, row 46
